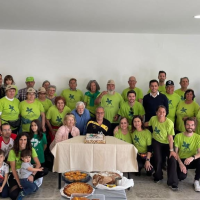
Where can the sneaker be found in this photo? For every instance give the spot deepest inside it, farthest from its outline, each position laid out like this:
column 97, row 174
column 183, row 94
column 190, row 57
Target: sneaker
column 196, row 186
column 174, row 187
column 20, row 196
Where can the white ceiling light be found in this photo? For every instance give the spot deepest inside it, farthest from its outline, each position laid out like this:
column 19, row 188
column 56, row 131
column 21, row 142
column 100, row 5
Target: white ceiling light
column 197, row 16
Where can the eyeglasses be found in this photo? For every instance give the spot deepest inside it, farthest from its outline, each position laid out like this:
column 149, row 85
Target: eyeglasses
column 6, row 130
column 100, row 113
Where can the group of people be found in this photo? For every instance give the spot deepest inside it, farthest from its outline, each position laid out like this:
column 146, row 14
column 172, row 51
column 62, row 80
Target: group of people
column 148, row 122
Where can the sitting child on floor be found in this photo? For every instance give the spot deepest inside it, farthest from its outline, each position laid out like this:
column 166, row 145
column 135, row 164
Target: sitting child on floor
column 26, row 170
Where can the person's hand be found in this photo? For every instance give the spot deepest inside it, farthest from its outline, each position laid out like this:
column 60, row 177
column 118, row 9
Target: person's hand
column 40, row 169
column 188, row 160
column 20, row 186
column 31, row 178
column 116, row 129
column 172, row 153
column 183, row 168
column 115, row 118
column 103, row 93
column 148, row 165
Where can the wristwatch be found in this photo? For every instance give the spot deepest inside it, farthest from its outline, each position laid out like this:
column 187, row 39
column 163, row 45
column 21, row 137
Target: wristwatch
column 147, row 159
column 193, row 157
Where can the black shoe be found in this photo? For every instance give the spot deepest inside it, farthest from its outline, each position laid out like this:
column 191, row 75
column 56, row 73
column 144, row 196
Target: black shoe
column 174, row 187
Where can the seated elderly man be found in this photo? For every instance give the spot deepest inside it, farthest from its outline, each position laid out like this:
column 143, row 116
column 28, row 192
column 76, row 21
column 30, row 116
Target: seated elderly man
column 99, row 124
column 82, row 116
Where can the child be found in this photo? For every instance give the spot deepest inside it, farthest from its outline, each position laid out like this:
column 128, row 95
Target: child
column 25, row 171
column 39, row 143
column 4, row 169
column 8, row 80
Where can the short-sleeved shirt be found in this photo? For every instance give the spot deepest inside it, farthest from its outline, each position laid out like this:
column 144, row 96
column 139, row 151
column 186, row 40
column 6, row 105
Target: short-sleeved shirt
column 46, row 104
column 18, row 162
column 29, row 112
column 6, row 147
column 4, row 169
column 141, row 140
column 187, row 146
column 173, row 101
column 38, row 145
column 72, row 97
column 129, row 112
column 125, row 138
column 55, row 117
column 23, row 172
column 111, row 105
column 185, row 110
column 9, row 110
column 198, row 123
column 161, row 130
column 138, row 91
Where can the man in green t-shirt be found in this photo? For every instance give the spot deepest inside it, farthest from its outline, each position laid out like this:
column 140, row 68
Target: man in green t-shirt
column 184, row 82
column 72, row 95
column 187, row 147
column 173, row 99
column 131, row 108
column 139, row 94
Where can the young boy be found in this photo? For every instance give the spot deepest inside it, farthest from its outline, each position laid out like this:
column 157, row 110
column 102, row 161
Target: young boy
column 4, row 169
column 25, row 171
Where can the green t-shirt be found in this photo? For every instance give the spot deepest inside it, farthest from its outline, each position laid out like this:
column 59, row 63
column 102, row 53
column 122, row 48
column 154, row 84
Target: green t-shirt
column 160, row 89
column 173, row 101
column 180, row 93
column 38, row 145
column 9, row 110
column 185, row 110
column 141, row 139
column 121, row 136
column 161, row 130
column 46, row 104
column 30, row 111
column 92, row 109
column 55, row 117
column 198, row 123
column 139, row 93
column 128, row 112
column 187, row 146
column 12, row 157
column 111, row 105
column 72, row 97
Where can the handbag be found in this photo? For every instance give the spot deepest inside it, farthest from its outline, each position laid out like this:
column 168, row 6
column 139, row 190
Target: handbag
column 14, row 123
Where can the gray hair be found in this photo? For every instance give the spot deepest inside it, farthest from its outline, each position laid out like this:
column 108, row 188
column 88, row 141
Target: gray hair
column 184, row 78
column 52, row 86
column 80, row 103
column 88, row 87
column 99, row 107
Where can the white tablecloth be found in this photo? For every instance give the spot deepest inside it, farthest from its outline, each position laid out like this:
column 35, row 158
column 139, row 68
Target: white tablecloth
column 74, row 154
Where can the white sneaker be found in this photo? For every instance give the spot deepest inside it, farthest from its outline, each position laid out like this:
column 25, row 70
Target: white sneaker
column 38, row 182
column 196, row 186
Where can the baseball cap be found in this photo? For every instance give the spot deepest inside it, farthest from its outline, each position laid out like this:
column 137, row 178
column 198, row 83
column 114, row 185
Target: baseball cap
column 41, row 90
column 30, row 90
column 29, row 79
column 169, row 82
column 8, row 87
column 111, row 82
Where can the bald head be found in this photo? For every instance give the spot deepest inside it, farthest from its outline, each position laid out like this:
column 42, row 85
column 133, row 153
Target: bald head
column 132, row 82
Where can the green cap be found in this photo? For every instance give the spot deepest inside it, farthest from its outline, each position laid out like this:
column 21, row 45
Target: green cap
column 29, row 79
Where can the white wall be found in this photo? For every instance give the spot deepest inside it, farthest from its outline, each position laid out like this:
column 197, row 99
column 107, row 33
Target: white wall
column 58, row 56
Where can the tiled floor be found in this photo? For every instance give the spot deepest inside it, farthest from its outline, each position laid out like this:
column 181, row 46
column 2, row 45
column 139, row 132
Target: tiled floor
column 143, row 189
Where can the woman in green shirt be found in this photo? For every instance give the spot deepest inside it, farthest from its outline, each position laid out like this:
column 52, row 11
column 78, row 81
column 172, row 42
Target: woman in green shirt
column 123, row 131
column 90, row 96
column 142, row 140
column 22, row 142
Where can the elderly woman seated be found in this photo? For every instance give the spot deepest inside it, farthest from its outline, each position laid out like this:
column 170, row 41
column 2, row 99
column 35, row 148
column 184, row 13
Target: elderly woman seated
column 67, row 131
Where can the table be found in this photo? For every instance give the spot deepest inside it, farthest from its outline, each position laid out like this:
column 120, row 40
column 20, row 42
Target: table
column 74, row 154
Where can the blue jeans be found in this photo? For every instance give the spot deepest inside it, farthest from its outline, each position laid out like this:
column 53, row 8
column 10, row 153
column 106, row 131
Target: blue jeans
column 4, row 192
column 27, row 186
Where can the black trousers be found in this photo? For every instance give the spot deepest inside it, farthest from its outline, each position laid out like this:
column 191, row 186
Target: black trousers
column 160, row 151
column 195, row 164
column 141, row 161
column 14, row 188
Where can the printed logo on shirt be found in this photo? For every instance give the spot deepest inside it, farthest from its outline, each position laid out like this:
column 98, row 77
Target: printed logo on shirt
column 131, row 112
column 71, row 97
column 34, row 142
column 182, row 98
column 109, row 102
column 156, row 130
column 137, row 139
column 183, row 110
column 29, row 110
column 186, row 146
column 11, row 108
column 59, row 119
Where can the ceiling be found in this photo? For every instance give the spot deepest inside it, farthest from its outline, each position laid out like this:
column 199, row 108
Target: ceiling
column 111, row 16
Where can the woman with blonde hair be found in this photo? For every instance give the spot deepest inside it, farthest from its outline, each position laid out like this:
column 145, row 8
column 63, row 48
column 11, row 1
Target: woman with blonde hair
column 67, row 131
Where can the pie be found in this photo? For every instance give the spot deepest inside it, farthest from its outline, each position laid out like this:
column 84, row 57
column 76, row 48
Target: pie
column 77, row 187
column 75, row 175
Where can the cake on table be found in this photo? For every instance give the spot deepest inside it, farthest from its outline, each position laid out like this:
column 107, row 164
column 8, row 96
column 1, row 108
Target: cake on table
column 93, row 138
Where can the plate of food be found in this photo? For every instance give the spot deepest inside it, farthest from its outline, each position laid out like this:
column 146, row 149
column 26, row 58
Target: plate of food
column 75, row 176
column 91, row 197
column 77, row 188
